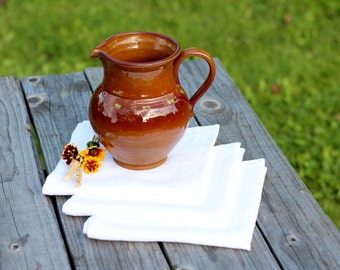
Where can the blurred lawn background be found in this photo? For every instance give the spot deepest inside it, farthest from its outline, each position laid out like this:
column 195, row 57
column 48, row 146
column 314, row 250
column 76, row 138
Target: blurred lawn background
column 283, row 55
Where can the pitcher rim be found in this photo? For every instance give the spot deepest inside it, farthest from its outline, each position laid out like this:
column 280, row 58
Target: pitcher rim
column 96, row 52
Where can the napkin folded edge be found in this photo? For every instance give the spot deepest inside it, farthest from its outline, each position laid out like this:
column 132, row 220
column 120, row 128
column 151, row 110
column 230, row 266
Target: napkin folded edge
column 214, row 237
column 81, row 135
column 232, row 153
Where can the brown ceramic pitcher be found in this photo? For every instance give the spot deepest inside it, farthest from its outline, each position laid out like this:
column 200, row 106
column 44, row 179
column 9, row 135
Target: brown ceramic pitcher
column 140, row 111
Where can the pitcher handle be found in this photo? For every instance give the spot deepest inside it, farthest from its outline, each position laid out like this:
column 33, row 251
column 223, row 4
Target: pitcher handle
column 209, row 79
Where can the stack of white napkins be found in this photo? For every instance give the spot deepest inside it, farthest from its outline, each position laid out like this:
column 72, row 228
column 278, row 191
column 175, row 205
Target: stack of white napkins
column 203, row 194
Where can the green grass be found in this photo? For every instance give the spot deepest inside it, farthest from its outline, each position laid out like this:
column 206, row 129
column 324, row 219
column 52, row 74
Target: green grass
column 283, row 55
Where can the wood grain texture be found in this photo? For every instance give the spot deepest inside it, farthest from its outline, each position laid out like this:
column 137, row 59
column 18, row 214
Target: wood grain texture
column 184, row 256
column 29, row 234
column 57, row 103
column 293, row 224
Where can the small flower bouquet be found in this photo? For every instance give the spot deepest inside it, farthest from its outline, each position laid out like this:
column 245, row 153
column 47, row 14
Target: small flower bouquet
column 88, row 160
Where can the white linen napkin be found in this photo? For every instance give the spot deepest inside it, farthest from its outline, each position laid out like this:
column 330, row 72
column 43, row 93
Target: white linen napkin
column 235, row 230
column 161, row 184
column 203, row 194
column 217, row 198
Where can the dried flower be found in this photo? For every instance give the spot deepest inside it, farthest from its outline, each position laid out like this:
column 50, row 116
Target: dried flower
column 74, row 168
column 91, row 164
column 89, row 159
column 70, row 153
column 94, row 151
column 79, row 178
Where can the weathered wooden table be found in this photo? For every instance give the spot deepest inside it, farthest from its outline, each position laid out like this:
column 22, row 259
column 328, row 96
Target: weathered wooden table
column 292, row 232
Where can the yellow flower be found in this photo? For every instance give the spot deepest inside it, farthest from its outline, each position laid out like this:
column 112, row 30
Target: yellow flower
column 95, row 152
column 91, row 164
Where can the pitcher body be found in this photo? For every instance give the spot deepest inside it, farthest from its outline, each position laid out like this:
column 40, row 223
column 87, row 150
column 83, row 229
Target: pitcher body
column 140, row 111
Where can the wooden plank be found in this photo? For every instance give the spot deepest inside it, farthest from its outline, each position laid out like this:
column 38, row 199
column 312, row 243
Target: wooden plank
column 182, row 256
column 30, row 236
column 57, row 103
column 298, row 231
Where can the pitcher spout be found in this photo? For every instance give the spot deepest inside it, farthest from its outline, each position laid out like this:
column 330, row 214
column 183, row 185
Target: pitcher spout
column 96, row 53
column 103, row 50
column 101, row 54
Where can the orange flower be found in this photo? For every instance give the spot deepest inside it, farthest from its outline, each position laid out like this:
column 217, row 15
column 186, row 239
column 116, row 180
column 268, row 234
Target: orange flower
column 95, row 152
column 91, row 164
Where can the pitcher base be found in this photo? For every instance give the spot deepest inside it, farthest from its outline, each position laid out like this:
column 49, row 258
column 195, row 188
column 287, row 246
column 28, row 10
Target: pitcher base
column 140, row 167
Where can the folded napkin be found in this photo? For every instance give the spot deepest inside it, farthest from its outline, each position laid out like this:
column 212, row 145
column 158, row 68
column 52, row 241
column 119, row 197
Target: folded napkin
column 217, row 198
column 175, row 181
column 230, row 226
column 203, row 194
